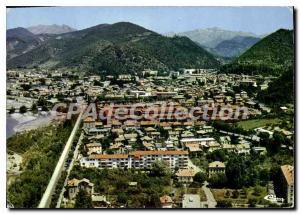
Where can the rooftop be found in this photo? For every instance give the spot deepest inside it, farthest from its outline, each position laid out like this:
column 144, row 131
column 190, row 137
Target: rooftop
column 215, row 164
column 288, row 173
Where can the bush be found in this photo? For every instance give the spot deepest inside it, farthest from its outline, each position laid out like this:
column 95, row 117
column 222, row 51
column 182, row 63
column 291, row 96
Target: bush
column 12, row 110
column 218, row 180
column 23, row 109
column 224, row 204
column 235, row 194
column 199, row 178
column 227, row 194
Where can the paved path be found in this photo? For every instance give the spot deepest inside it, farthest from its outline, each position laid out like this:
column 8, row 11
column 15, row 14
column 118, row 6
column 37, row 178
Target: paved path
column 74, row 158
column 193, row 166
column 46, row 199
column 210, row 197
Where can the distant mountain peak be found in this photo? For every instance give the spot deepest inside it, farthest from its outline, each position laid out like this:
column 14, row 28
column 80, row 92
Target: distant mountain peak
column 211, row 37
column 50, row 29
column 271, row 55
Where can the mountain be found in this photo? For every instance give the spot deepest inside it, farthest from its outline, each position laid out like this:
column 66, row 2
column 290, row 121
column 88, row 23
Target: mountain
column 271, row 55
column 280, row 90
column 50, row 29
column 117, row 48
column 235, row 46
column 211, row 37
column 20, row 41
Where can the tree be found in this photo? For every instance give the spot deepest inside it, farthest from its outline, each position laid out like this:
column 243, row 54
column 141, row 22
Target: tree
column 11, row 110
column 34, row 108
column 26, row 87
column 83, row 200
column 224, row 204
column 159, row 169
column 227, row 194
column 199, row 178
column 217, row 155
column 235, row 194
column 44, row 108
column 218, row 180
column 122, row 197
column 23, row 109
column 252, row 202
column 236, row 171
column 257, row 190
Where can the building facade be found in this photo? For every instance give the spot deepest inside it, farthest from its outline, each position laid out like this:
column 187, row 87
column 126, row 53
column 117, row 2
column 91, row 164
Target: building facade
column 287, row 182
column 216, row 167
column 137, row 159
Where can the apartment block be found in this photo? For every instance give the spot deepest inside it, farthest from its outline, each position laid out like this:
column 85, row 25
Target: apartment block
column 137, row 159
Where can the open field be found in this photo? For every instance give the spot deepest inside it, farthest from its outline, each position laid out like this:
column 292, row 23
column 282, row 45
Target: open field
column 241, row 199
column 255, row 123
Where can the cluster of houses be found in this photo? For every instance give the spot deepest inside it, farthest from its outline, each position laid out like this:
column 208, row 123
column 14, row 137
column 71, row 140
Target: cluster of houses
column 55, row 86
column 126, row 142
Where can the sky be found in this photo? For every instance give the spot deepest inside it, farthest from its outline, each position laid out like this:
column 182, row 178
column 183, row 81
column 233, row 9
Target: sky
column 258, row 20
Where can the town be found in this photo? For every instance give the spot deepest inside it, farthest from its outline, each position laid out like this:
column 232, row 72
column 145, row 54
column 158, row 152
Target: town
column 164, row 159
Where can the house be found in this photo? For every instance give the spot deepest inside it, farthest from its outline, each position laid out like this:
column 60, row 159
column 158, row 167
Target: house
column 202, row 141
column 149, row 146
column 259, row 149
column 191, row 201
column 213, row 145
column 287, row 183
column 229, row 147
column 88, row 123
column 262, row 130
column 185, row 175
column 166, row 201
column 193, row 147
column 169, row 145
column 216, row 167
column 117, row 147
column 225, row 139
column 93, row 148
column 75, row 185
column 243, row 148
column 284, row 108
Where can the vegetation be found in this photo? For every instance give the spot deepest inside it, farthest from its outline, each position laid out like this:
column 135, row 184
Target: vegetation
column 83, row 200
column 235, row 46
column 255, row 123
column 117, row 48
column 271, row 55
column 40, row 150
column 199, row 178
column 223, row 126
column 280, row 91
column 150, row 186
column 23, row 109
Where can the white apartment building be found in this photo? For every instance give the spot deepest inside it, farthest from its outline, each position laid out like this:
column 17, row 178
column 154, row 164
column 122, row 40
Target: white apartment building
column 137, row 159
column 200, row 141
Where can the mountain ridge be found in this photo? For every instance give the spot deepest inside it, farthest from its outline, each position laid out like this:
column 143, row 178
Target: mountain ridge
column 271, row 55
column 120, row 47
column 50, row 29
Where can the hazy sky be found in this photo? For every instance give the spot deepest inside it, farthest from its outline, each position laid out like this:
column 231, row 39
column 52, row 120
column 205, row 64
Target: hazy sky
column 258, row 20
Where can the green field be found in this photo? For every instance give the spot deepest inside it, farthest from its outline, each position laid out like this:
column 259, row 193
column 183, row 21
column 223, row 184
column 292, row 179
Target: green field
column 252, row 124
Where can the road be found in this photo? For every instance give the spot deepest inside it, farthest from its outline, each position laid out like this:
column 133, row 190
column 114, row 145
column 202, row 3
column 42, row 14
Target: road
column 46, row 199
column 193, row 166
column 210, row 197
column 74, row 158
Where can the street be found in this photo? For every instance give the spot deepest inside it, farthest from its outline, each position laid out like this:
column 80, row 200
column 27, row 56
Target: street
column 210, row 198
